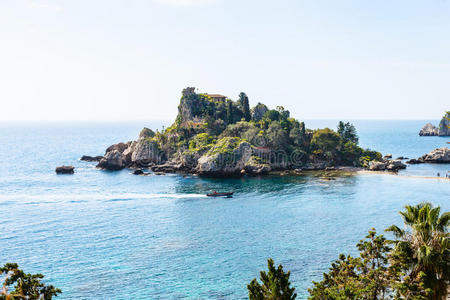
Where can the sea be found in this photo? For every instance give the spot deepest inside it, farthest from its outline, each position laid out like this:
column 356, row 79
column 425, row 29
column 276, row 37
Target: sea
column 113, row 235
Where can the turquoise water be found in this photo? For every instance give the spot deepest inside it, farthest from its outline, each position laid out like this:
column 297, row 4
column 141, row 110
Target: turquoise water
column 112, row 235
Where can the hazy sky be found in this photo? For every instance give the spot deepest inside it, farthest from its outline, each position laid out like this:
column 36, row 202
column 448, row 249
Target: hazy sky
column 130, row 59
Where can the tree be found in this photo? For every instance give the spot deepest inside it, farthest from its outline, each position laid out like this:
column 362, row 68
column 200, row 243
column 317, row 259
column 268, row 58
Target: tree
column 26, row 286
column 421, row 257
column 325, row 140
column 275, row 285
column 363, row 277
column 347, row 132
column 277, row 137
column 243, row 100
column 229, row 112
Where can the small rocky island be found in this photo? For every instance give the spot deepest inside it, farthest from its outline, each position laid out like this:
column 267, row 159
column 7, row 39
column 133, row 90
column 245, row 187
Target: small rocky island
column 215, row 136
column 443, row 129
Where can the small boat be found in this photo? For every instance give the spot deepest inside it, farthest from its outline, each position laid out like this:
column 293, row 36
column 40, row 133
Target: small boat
column 216, row 194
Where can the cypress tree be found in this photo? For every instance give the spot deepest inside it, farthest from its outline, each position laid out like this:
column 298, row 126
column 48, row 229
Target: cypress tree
column 243, row 100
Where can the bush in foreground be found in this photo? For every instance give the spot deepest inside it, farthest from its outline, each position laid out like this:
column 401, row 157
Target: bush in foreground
column 25, row 286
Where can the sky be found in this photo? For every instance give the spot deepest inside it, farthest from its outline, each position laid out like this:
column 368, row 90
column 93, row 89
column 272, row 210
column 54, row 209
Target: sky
column 120, row 60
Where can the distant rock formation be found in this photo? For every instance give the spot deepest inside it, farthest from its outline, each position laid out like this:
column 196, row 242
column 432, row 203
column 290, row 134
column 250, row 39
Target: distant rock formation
column 429, row 130
column 442, row 130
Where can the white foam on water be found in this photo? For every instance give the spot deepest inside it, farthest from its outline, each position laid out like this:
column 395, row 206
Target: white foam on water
column 54, row 198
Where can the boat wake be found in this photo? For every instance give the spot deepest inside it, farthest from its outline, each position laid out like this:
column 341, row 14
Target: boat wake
column 90, row 197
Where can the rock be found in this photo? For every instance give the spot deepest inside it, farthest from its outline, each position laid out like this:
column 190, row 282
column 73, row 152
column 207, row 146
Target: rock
column 228, row 157
column 440, row 155
column 429, row 130
column 401, row 158
column 146, row 133
column 65, row 170
column 165, row 168
column 414, row 161
column 387, row 156
column 128, row 153
column 91, row 158
column 442, row 130
column 377, row 166
column 138, row 172
column 444, row 125
column 395, row 165
column 146, row 152
column 119, row 147
column 316, row 165
column 255, row 167
column 113, row 160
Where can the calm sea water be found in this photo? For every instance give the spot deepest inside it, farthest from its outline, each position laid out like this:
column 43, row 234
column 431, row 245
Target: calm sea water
column 112, row 235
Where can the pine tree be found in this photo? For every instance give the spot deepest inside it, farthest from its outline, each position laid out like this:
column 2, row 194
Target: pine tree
column 229, row 112
column 275, row 285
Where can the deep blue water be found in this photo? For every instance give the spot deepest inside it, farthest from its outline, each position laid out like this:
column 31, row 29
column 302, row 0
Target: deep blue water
column 113, row 235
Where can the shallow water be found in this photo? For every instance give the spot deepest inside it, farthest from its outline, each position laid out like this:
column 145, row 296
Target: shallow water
column 112, row 235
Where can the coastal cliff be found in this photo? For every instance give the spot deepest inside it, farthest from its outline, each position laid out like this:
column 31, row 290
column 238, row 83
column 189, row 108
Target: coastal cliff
column 216, row 136
column 442, row 130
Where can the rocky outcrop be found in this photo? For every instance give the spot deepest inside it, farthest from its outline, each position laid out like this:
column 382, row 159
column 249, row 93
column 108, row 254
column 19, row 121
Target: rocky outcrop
column 91, row 158
column 395, row 165
column 442, row 130
column 65, row 170
column 146, row 152
column 440, row 155
column 119, row 147
column 255, row 167
column 228, row 157
column 377, row 166
column 390, row 165
column 444, row 125
column 429, row 130
column 113, row 160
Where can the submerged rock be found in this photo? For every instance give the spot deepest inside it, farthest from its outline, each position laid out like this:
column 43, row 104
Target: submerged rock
column 414, row 161
column 91, row 158
column 65, row 170
column 138, row 172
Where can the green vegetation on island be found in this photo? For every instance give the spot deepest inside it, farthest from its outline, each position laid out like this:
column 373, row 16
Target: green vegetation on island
column 214, row 135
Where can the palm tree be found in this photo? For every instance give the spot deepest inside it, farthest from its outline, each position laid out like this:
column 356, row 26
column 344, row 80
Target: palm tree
column 423, row 249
